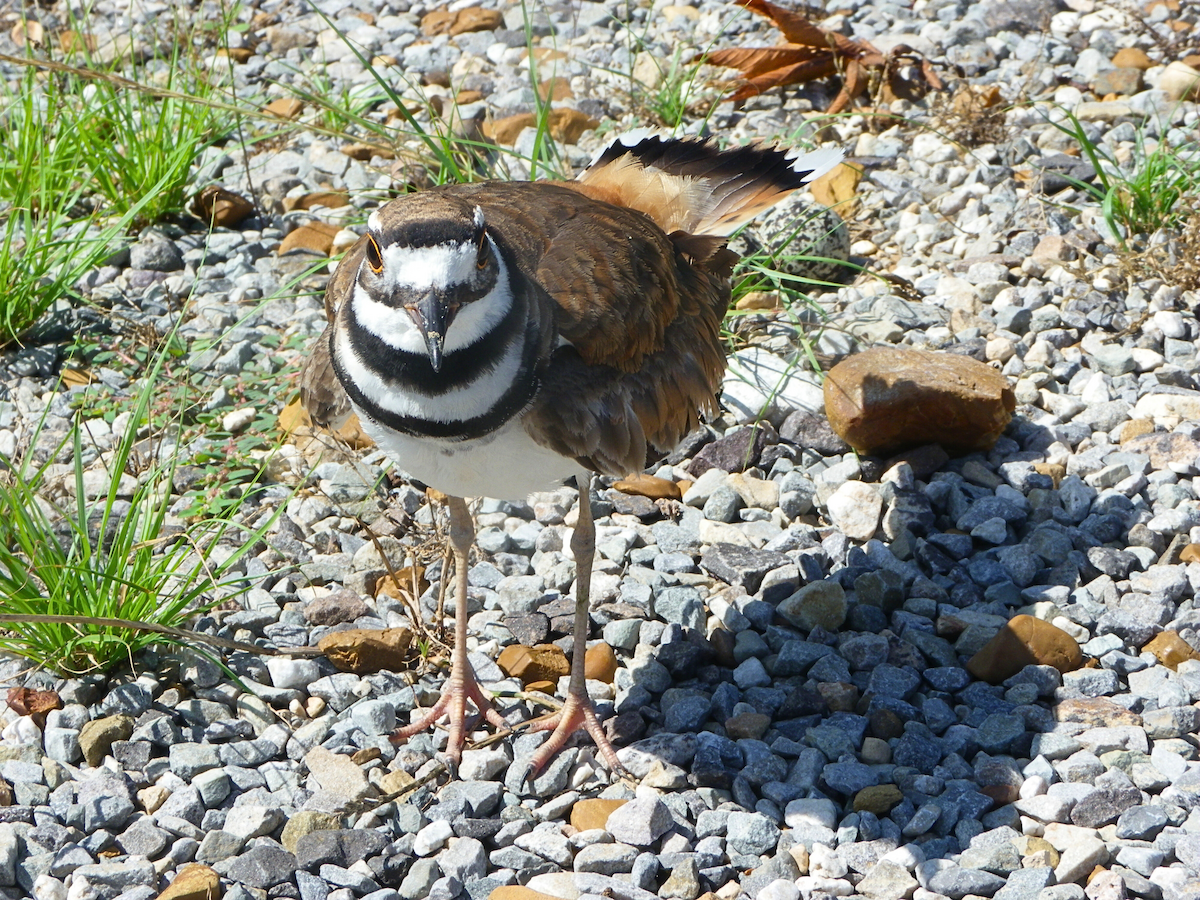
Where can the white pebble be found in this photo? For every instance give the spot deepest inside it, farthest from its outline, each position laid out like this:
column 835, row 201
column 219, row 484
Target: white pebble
column 432, row 837
column 239, row 420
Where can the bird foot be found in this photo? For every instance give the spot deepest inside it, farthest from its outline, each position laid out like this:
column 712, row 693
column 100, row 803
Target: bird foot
column 461, row 687
column 577, row 711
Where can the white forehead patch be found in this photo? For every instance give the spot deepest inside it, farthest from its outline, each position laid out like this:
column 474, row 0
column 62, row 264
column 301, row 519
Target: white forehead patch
column 423, row 268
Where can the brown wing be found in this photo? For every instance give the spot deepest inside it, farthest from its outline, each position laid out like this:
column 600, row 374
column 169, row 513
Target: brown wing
column 320, row 391
column 642, row 318
column 613, row 306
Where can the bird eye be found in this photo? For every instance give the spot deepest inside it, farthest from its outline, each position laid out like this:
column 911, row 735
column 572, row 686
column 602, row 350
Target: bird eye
column 374, row 257
column 481, row 258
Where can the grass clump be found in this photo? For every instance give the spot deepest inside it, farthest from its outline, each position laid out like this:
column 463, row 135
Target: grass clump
column 1149, row 193
column 67, row 572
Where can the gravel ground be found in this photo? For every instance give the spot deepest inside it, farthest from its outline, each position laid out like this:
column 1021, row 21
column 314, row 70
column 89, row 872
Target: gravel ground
column 791, row 638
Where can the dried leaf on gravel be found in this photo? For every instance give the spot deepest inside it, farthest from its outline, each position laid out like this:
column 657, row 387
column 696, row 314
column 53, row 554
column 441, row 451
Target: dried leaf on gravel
column 27, row 702
column 812, row 53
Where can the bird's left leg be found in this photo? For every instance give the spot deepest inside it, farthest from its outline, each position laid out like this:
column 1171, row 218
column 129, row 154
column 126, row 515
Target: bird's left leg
column 578, row 710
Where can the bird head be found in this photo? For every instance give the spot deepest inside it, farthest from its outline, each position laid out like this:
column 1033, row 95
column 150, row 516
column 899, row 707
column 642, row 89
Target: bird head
column 426, row 277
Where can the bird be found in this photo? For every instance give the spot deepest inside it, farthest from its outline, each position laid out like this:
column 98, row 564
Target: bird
column 501, row 338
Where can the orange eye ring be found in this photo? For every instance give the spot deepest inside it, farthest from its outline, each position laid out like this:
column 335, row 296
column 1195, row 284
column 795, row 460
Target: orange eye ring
column 481, row 258
column 374, row 256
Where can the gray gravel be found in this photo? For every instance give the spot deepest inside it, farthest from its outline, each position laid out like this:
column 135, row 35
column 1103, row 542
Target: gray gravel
column 792, row 639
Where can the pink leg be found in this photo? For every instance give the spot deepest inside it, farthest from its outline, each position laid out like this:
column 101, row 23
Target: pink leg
column 578, row 710
column 462, row 685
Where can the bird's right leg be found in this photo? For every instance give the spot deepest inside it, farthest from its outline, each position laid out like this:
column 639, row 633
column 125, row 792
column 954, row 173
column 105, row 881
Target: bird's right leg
column 462, row 685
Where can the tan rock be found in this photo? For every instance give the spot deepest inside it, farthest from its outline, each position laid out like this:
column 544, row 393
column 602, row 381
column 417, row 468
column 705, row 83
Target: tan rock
column 1025, row 641
column 440, row 21
column 564, row 124
column 476, row 19
column 1036, row 845
column 1180, row 81
column 643, row 485
column 1098, row 712
column 237, row 54
column 331, row 199
column 1056, row 472
column 544, row 662
column 284, row 108
column 517, row 892
column 1190, row 553
column 878, row 799
column 315, row 237
column 1132, row 58
column 747, row 725
column 1123, row 81
column 151, row 797
column 365, row 650
column 97, row 736
column 194, row 882
column 1134, row 428
column 592, row 813
column 1168, row 646
column 756, row 493
column 1163, row 448
column 306, row 821
column 887, row 398
column 568, row 125
column 600, row 663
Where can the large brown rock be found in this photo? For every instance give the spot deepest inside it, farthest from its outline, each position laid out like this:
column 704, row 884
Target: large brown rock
column 543, row 663
column 886, row 399
column 1169, row 647
column 97, row 736
column 587, row 815
column 1022, row 642
column 366, row 650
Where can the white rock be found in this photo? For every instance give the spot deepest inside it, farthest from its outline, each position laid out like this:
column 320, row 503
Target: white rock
column 760, row 384
column 801, row 813
column 780, row 889
column 252, row 821
column 825, row 862
column 483, row 765
column 295, row 674
column 432, row 837
column 855, row 508
column 1171, row 324
column 47, row 888
column 239, row 420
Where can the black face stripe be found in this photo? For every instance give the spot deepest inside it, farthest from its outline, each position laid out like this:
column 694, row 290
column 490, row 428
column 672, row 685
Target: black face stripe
column 412, row 371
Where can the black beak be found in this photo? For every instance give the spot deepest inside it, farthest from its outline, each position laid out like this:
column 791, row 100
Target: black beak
column 433, row 317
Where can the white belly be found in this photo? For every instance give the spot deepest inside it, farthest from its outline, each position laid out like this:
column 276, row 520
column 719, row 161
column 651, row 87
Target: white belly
column 507, row 465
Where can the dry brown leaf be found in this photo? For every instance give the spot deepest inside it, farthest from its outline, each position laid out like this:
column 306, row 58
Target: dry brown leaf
column 27, row 702
column 294, row 418
column 28, row 33
column 76, row 378
column 812, row 53
column 409, row 584
column 836, row 189
column 755, row 61
column 220, row 207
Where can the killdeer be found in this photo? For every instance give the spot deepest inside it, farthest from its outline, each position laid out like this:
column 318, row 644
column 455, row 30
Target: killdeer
column 500, row 338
